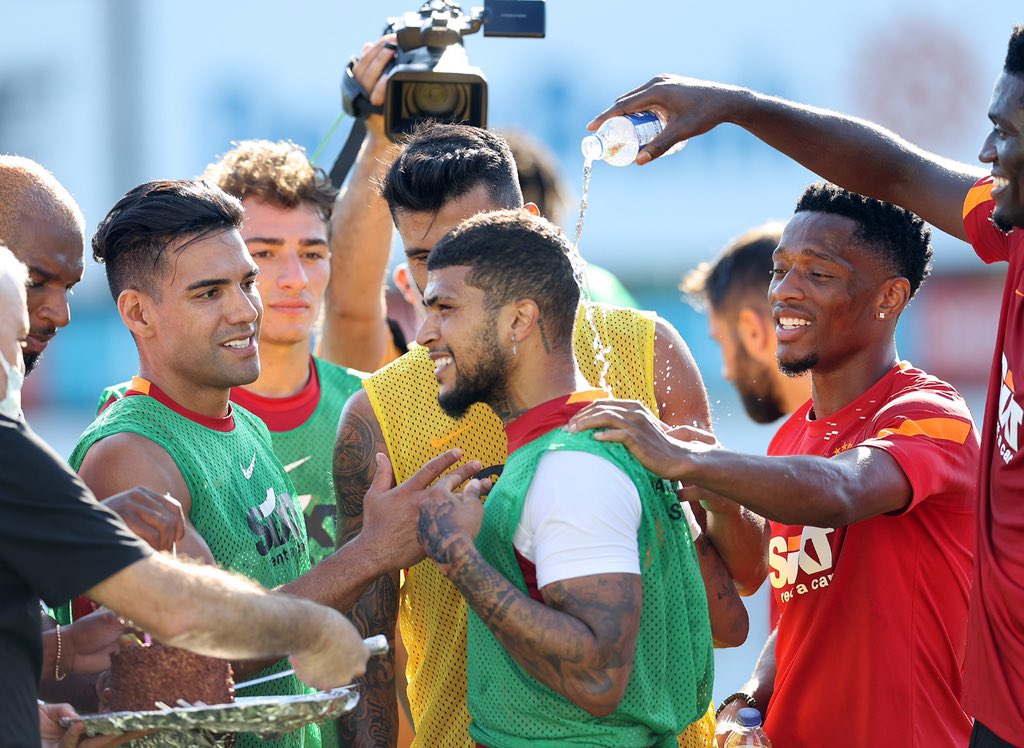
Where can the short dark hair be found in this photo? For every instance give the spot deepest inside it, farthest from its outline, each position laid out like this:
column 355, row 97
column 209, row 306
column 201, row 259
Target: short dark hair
column 514, row 255
column 131, row 239
column 743, row 269
column 900, row 238
column 441, row 162
column 1015, row 52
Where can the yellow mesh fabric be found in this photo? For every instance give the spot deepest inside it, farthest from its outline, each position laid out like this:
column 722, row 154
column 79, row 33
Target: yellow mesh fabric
column 432, row 613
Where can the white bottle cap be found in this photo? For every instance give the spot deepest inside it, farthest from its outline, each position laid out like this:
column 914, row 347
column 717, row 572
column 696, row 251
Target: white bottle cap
column 592, row 147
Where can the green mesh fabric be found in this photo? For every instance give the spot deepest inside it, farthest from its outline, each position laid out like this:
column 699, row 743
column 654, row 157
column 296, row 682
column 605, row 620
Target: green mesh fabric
column 241, row 506
column 306, row 453
column 670, row 686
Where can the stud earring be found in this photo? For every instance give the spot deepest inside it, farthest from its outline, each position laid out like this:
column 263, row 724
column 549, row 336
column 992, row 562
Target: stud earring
column 881, row 315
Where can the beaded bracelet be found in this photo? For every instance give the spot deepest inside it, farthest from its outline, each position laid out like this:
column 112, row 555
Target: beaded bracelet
column 751, row 702
column 56, row 663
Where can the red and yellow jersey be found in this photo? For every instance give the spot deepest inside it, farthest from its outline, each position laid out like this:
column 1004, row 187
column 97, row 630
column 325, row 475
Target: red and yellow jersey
column 995, row 647
column 880, row 606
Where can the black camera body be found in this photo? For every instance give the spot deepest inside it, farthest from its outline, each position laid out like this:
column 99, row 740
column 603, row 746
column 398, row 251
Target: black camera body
column 431, row 77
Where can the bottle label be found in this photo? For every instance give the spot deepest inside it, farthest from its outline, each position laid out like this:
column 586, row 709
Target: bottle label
column 647, row 126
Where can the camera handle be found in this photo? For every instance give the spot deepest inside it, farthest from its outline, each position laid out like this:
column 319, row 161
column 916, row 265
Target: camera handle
column 356, row 102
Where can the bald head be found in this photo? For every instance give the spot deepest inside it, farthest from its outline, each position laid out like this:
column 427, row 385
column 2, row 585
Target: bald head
column 44, row 228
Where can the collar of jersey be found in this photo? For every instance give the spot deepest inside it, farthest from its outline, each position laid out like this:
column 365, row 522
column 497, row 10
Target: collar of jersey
column 283, row 413
column 142, row 386
column 548, row 416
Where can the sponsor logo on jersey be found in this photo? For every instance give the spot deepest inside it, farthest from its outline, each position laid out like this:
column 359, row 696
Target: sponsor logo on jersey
column 273, row 522
column 438, row 443
column 1010, row 416
column 809, row 552
column 247, row 471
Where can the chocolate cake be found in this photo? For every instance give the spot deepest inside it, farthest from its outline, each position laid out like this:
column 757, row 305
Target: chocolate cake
column 143, row 674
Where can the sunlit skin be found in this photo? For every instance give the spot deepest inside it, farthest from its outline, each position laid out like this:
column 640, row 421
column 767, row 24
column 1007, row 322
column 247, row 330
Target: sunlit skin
column 54, row 252
column 197, row 334
column 290, row 247
column 1003, row 150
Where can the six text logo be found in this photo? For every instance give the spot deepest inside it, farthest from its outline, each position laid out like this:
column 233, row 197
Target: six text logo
column 809, row 552
column 1010, row 416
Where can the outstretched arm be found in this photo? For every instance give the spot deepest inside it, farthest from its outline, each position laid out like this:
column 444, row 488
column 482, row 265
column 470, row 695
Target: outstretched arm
column 799, row 490
column 355, row 331
column 852, row 153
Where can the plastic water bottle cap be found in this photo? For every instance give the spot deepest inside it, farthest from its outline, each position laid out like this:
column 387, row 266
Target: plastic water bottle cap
column 592, row 147
column 749, row 717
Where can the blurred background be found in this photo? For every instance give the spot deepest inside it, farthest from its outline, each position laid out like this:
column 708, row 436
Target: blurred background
column 110, row 93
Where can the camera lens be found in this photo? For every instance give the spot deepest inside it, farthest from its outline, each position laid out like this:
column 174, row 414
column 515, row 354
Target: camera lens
column 437, row 99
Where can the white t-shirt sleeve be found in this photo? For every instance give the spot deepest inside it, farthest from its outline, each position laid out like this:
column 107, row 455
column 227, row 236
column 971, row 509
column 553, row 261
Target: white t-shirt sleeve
column 580, row 517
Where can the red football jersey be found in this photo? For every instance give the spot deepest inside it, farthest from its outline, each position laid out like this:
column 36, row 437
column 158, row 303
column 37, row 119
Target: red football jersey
column 874, row 615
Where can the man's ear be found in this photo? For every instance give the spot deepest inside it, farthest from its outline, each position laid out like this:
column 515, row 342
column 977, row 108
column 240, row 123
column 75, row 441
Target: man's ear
column 523, row 320
column 895, row 297
column 756, row 335
column 136, row 310
column 532, row 209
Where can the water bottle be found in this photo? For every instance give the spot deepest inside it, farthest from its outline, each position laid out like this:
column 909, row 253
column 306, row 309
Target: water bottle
column 748, row 732
column 619, row 139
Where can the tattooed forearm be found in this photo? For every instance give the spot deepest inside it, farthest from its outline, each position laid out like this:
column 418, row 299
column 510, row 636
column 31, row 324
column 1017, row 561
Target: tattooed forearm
column 580, row 643
column 729, row 621
column 374, row 721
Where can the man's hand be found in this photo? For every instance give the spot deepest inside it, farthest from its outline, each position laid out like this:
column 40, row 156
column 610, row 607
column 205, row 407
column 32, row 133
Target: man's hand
column 338, row 657
column 689, row 107
column 91, row 639
column 663, row 450
column 391, row 515
column 369, row 73
column 448, row 517
column 53, row 735
column 156, row 518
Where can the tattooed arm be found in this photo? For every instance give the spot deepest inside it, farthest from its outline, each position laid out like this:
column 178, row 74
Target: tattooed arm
column 580, row 642
column 374, row 722
column 378, row 529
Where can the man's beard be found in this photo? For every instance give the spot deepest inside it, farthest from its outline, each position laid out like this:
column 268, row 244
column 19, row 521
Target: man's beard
column 754, row 384
column 800, row 366
column 31, row 361
column 483, row 383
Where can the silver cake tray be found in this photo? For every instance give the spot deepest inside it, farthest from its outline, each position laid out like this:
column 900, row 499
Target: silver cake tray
column 266, row 716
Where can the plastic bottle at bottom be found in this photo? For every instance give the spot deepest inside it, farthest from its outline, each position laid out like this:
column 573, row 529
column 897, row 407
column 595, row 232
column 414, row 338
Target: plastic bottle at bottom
column 748, row 732
column 619, row 139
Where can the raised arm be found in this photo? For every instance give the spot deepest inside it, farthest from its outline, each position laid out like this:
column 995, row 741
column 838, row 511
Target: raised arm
column 852, row 153
column 355, row 331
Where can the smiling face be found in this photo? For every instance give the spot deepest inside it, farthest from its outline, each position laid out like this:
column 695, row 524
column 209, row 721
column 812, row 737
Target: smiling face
column 1004, row 150
column 421, row 231
column 290, row 247
column 823, row 294
column 54, row 252
column 205, row 316
column 461, row 335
